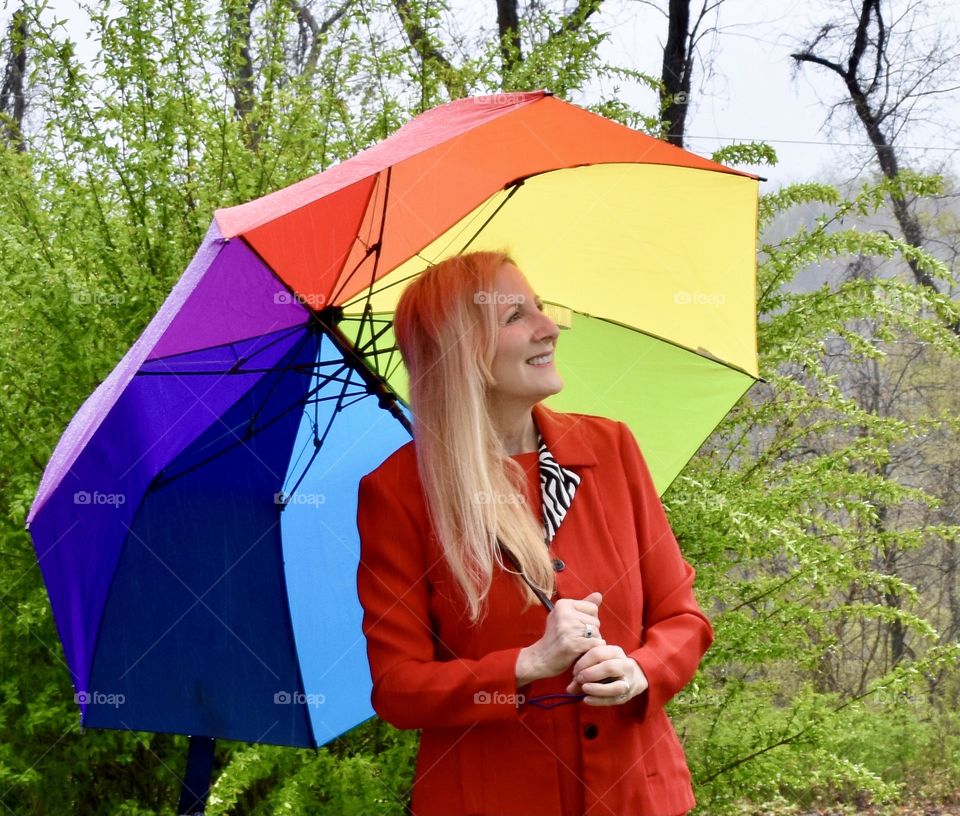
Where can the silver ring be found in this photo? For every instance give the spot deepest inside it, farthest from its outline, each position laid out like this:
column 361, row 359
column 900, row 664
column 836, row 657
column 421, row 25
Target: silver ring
column 587, row 632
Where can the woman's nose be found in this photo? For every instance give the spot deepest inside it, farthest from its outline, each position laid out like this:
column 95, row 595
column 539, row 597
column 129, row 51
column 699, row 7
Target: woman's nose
column 547, row 328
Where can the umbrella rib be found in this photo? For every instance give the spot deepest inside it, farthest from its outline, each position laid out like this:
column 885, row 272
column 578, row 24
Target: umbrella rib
column 701, row 352
column 371, row 291
column 376, row 247
column 317, row 444
column 281, row 335
column 303, row 368
column 251, row 432
column 375, row 335
column 514, row 186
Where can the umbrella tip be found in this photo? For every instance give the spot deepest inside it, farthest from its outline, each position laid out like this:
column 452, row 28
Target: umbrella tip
column 560, row 315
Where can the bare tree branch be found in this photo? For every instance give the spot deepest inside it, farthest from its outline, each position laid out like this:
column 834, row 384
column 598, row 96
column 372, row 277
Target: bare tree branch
column 873, row 112
column 428, row 51
column 575, row 19
column 314, row 32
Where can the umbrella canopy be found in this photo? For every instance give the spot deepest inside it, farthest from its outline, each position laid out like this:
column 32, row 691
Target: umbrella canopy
column 196, row 524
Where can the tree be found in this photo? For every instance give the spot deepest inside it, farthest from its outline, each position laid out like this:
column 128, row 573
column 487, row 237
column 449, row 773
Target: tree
column 891, row 72
column 679, row 55
column 13, row 102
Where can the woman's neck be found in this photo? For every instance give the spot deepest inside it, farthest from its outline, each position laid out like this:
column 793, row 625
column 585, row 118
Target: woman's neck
column 517, row 430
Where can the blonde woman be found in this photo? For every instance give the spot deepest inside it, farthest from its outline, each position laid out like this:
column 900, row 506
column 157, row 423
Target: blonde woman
column 525, row 601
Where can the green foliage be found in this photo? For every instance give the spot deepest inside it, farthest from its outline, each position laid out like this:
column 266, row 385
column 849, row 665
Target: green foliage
column 787, row 514
column 747, row 153
column 366, row 772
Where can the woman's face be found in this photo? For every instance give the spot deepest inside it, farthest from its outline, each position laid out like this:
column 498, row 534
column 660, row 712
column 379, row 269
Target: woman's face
column 524, row 333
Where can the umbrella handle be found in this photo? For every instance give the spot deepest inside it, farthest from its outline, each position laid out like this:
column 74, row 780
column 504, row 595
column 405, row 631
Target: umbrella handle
column 196, row 779
column 541, row 595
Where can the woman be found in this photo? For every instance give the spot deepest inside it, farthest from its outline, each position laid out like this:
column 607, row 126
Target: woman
column 523, row 711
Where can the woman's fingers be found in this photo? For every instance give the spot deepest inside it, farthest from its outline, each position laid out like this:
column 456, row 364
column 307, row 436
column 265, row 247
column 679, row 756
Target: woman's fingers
column 596, row 655
column 608, row 680
column 568, row 606
column 609, row 694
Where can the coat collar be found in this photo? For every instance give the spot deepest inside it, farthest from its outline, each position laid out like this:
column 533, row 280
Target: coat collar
column 564, row 436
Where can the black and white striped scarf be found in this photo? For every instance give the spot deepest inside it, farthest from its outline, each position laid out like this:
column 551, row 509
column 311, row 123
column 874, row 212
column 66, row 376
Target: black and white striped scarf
column 557, row 486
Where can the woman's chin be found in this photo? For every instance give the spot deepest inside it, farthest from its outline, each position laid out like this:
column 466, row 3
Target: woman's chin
column 555, row 388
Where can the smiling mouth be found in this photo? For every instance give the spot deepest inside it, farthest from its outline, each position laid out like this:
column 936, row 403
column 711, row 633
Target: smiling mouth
column 541, row 360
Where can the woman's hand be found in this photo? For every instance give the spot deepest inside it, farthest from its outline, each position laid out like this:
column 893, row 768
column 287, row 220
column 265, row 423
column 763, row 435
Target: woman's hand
column 626, row 678
column 564, row 639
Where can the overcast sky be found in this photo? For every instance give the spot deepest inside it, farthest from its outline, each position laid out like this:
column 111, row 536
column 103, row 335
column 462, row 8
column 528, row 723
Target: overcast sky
column 752, row 91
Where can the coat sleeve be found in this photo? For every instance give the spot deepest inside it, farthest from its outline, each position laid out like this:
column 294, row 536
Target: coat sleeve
column 411, row 688
column 676, row 632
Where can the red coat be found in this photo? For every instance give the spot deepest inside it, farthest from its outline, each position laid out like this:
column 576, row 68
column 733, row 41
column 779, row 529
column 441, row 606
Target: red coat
column 479, row 752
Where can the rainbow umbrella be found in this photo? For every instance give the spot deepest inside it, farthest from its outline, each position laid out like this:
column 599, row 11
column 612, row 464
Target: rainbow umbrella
column 196, row 524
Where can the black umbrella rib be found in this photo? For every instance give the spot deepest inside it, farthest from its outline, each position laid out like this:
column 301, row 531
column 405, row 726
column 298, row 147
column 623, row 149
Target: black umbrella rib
column 251, row 432
column 282, row 334
column 301, row 368
column 388, row 368
column 514, row 186
column 376, row 385
column 373, row 248
column 295, row 351
column 317, row 444
column 376, row 247
column 371, row 292
column 163, row 481
column 375, row 334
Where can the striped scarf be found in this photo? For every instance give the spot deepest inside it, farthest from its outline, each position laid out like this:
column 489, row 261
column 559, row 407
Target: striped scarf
column 557, row 487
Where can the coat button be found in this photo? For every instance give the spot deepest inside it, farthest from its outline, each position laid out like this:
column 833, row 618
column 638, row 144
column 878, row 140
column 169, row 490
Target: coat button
column 590, row 731
column 558, row 565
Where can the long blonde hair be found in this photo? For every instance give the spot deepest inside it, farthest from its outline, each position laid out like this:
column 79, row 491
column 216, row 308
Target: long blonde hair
column 447, row 335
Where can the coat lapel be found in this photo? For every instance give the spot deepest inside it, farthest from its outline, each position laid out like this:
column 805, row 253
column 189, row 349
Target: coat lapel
column 561, row 448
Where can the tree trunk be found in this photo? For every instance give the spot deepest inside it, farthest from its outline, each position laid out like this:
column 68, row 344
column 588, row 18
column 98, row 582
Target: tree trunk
column 13, row 103
column 509, row 27
column 676, row 73
column 242, row 83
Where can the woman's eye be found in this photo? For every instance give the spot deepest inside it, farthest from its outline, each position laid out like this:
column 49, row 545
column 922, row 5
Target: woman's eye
column 515, row 314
